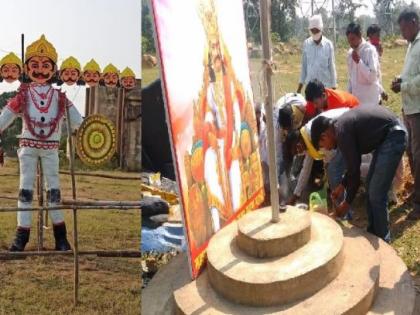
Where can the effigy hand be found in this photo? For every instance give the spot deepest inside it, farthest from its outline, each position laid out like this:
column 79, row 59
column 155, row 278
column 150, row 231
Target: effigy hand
column 1, row 156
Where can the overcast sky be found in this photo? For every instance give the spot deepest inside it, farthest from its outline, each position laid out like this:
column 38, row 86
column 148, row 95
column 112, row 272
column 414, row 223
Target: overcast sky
column 106, row 30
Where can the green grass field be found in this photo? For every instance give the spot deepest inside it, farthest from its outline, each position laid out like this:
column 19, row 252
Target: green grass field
column 406, row 234
column 286, row 80
column 45, row 285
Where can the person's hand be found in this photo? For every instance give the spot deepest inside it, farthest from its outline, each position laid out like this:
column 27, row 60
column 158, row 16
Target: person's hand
column 300, row 147
column 292, row 200
column 342, row 209
column 337, row 192
column 299, row 89
column 396, row 85
column 355, row 56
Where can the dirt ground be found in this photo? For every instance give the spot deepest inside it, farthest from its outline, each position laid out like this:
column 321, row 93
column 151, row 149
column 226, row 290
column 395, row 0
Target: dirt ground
column 406, row 234
column 44, row 285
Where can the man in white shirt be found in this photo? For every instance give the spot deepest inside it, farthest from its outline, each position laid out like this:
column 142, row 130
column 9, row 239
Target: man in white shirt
column 318, row 60
column 363, row 68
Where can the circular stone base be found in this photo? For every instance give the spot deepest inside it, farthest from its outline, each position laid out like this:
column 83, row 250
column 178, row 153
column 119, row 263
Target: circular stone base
column 259, row 237
column 352, row 292
column 396, row 294
column 272, row 281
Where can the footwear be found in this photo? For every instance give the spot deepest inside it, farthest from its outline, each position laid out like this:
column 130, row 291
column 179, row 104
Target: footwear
column 21, row 238
column 60, row 235
column 414, row 215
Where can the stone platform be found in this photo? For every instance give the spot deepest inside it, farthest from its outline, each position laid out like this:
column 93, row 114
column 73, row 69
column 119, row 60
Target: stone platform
column 333, row 271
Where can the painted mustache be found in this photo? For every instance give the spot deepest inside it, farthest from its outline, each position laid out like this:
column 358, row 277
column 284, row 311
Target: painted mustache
column 39, row 75
column 9, row 78
column 91, row 81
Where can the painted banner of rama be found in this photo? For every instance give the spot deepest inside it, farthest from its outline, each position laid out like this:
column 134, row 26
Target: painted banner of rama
column 209, row 100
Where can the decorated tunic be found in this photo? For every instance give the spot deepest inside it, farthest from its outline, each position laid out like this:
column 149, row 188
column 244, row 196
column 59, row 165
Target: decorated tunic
column 42, row 109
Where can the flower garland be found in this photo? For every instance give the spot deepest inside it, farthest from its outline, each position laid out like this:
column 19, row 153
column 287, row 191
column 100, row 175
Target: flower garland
column 22, row 99
column 43, row 96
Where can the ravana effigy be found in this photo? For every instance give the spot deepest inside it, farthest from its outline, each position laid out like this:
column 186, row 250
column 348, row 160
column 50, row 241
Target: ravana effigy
column 71, row 72
column 42, row 109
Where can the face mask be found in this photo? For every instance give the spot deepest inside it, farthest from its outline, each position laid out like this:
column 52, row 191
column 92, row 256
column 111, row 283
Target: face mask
column 375, row 41
column 316, row 37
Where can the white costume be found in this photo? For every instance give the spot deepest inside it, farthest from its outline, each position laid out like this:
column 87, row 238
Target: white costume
column 42, row 109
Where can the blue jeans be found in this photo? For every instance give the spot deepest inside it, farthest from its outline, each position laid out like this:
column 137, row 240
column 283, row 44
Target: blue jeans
column 379, row 180
column 335, row 170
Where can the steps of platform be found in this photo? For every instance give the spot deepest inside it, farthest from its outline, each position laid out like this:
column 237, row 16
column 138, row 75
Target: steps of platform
column 259, row 237
column 272, row 281
column 351, row 292
column 396, row 294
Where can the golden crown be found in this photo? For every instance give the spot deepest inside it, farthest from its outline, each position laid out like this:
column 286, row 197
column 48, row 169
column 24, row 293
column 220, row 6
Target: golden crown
column 208, row 16
column 127, row 72
column 41, row 48
column 110, row 68
column 92, row 65
column 70, row 63
column 11, row 58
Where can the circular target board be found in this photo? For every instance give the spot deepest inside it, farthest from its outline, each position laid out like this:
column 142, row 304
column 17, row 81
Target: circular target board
column 96, row 140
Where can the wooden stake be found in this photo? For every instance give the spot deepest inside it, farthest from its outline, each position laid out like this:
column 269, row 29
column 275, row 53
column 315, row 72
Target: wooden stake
column 40, row 193
column 73, row 188
column 99, row 253
column 71, row 206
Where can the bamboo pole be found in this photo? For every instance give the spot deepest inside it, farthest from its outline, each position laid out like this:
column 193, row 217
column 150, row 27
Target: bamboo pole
column 40, row 193
column 101, row 203
column 71, row 207
column 99, row 253
column 73, row 188
column 103, row 175
column 265, row 9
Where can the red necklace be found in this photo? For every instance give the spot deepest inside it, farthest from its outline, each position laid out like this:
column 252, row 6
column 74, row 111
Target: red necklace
column 42, row 96
column 62, row 103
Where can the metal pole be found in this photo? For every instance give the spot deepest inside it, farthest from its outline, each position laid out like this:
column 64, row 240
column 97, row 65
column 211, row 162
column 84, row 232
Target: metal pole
column 312, row 7
column 40, row 193
column 334, row 26
column 73, row 188
column 265, row 9
column 22, row 42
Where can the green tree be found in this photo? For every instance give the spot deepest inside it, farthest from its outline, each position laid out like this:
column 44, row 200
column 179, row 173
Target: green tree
column 283, row 15
column 383, row 12
column 346, row 13
column 147, row 28
column 9, row 140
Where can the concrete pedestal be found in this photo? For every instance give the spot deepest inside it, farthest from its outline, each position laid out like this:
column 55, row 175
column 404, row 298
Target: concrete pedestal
column 336, row 271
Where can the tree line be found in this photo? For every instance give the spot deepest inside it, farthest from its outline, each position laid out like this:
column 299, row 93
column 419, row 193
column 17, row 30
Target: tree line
column 290, row 21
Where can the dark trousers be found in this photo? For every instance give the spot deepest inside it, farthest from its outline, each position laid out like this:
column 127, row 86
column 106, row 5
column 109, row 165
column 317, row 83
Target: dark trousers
column 412, row 123
column 385, row 161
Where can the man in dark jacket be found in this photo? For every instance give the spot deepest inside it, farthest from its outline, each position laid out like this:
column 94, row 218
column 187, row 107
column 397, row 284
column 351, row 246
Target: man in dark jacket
column 361, row 131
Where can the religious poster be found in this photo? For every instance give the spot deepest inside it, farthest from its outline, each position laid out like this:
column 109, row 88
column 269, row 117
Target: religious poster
column 207, row 88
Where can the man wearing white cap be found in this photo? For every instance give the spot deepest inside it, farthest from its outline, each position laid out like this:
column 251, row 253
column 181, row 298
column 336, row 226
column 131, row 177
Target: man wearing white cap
column 318, row 60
